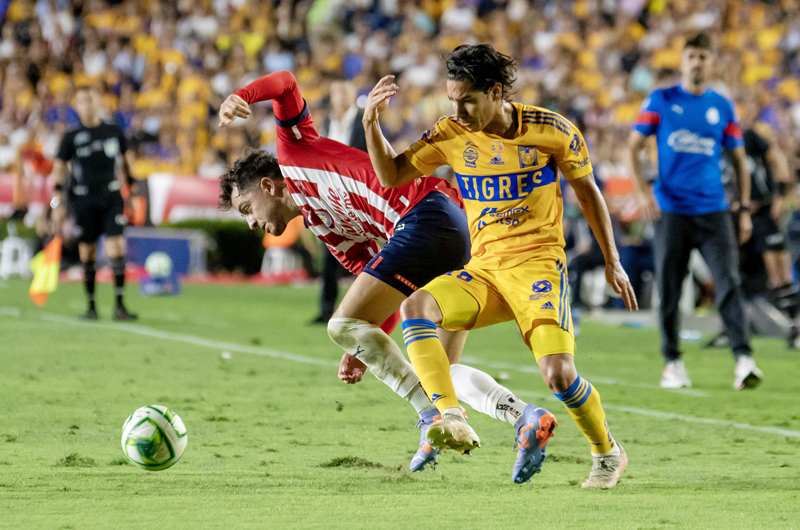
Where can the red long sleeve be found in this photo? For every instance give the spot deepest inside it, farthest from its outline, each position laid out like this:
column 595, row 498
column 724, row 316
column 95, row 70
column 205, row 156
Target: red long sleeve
column 281, row 88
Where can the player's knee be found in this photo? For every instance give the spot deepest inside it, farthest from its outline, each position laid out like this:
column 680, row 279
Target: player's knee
column 87, row 251
column 421, row 304
column 558, row 373
column 340, row 330
column 116, row 247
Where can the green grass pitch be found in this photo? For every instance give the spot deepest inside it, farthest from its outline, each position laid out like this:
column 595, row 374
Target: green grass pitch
column 277, row 441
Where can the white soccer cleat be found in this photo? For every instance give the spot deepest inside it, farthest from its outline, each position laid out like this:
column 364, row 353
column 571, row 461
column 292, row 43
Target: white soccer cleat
column 452, row 433
column 746, row 373
column 675, row 376
column 606, row 470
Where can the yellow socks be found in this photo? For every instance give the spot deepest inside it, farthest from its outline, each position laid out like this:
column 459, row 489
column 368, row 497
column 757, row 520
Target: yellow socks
column 583, row 404
column 430, row 362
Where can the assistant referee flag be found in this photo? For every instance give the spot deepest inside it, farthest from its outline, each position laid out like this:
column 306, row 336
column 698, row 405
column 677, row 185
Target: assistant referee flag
column 45, row 266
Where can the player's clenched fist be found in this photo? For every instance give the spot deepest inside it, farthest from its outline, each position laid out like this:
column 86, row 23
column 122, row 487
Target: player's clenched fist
column 232, row 108
column 351, row 370
column 379, row 96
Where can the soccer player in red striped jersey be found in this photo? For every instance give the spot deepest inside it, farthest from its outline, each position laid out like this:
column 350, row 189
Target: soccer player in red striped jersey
column 395, row 240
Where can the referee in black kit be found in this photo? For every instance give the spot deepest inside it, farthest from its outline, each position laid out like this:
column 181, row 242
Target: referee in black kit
column 93, row 193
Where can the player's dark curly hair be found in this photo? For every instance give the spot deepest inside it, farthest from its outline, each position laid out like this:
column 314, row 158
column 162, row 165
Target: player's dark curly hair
column 483, row 66
column 246, row 172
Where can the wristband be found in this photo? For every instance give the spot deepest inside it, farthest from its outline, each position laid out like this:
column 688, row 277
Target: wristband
column 59, row 187
column 783, row 189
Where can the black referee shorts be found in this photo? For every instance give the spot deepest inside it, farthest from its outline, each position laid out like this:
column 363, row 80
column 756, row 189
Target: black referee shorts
column 97, row 214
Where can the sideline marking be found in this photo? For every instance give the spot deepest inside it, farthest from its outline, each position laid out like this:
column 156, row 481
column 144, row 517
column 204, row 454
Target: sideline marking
column 10, row 311
column 189, row 339
column 530, row 369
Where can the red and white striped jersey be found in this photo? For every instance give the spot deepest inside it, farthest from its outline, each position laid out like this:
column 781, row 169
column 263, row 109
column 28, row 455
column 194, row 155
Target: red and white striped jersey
column 333, row 184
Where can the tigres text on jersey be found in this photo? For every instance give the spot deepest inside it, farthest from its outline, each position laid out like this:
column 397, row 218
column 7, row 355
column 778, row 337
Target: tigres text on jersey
column 510, row 186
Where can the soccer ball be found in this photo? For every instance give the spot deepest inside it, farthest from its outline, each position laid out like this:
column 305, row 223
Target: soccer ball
column 158, row 265
column 153, row 438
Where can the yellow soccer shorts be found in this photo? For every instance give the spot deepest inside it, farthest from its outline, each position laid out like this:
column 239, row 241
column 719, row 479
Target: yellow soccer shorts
column 535, row 294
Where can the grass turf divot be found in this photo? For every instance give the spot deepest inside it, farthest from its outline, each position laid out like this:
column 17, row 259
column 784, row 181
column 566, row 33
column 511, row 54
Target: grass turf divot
column 74, row 460
column 352, row 461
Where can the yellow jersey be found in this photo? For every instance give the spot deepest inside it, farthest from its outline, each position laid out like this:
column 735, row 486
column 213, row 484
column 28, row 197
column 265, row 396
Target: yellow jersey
column 510, row 187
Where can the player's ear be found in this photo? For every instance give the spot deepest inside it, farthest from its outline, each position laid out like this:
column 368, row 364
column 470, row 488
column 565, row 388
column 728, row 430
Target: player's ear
column 496, row 92
column 267, row 185
column 272, row 186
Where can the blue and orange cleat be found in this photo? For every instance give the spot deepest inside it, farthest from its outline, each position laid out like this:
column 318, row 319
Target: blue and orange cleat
column 425, row 454
column 534, row 429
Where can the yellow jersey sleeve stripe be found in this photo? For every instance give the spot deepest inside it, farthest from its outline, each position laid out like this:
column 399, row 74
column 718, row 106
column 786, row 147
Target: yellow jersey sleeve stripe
column 547, row 121
column 544, row 114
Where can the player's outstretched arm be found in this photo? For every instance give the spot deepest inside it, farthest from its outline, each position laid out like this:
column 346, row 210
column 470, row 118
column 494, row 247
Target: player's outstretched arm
column 393, row 170
column 280, row 87
column 594, row 209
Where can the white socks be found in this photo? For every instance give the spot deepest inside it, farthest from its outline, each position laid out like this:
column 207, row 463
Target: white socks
column 373, row 347
column 481, row 392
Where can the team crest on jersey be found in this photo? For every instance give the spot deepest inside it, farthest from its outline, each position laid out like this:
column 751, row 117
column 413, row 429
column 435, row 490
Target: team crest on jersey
column 497, row 154
column 528, row 157
column 576, row 144
column 470, row 155
column 111, row 147
column 712, row 116
column 325, row 217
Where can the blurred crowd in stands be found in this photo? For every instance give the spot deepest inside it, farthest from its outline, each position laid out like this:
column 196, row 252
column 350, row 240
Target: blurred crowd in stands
column 167, row 65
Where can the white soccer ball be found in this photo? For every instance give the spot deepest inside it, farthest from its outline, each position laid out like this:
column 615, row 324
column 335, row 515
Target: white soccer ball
column 153, row 438
column 158, row 265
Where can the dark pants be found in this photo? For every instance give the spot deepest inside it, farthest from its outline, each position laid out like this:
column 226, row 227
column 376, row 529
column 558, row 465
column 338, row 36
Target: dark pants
column 713, row 235
column 332, row 270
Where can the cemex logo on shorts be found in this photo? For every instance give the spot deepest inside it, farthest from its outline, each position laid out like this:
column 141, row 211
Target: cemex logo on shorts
column 541, row 289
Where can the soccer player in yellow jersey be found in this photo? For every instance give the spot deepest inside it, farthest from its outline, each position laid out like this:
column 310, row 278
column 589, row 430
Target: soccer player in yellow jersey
column 507, row 157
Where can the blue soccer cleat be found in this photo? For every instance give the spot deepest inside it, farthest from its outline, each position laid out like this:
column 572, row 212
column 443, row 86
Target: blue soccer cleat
column 425, row 454
column 534, row 429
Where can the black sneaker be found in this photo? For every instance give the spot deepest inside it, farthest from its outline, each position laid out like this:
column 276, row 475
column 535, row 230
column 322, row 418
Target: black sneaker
column 793, row 340
column 91, row 314
column 120, row 313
